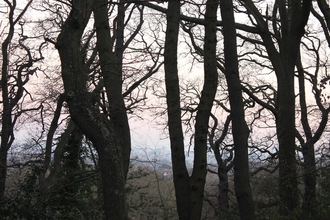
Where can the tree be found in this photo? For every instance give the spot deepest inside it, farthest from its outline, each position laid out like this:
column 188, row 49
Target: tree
column 309, row 138
column 16, row 69
column 224, row 164
column 189, row 189
column 309, row 128
column 109, row 49
column 99, row 111
column 239, row 127
column 288, row 23
column 84, row 110
column 324, row 6
column 112, row 71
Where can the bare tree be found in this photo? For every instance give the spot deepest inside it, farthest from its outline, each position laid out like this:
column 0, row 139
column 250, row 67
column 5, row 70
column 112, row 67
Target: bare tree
column 85, row 111
column 240, row 130
column 224, row 157
column 288, row 23
column 100, row 112
column 311, row 131
column 16, row 69
column 189, row 189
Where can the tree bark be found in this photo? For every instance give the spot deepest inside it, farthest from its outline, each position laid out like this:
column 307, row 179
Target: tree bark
column 111, row 66
column 86, row 114
column 223, row 187
column 239, row 127
column 189, row 190
column 180, row 172
column 292, row 22
column 324, row 6
column 204, row 109
column 224, row 165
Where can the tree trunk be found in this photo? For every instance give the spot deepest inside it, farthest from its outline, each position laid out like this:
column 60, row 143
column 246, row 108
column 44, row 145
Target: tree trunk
column 224, row 165
column 189, row 190
column 180, row 173
column 324, row 6
column 204, row 109
column 309, row 172
column 3, row 172
column 239, row 127
column 6, row 134
column 307, row 146
column 86, row 114
column 292, row 21
column 223, row 188
column 285, row 126
column 111, row 66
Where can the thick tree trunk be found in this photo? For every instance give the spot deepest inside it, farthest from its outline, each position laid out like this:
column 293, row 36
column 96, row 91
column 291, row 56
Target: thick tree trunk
column 3, row 172
column 284, row 64
column 111, row 66
column 239, row 127
column 285, row 125
column 86, row 114
column 309, row 173
column 113, row 179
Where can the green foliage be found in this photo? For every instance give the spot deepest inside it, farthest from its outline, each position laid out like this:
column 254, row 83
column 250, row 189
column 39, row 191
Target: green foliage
column 68, row 199
column 77, row 195
column 73, row 195
column 323, row 194
column 265, row 191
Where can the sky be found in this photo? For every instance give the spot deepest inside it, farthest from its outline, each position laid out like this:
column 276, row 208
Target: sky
column 148, row 134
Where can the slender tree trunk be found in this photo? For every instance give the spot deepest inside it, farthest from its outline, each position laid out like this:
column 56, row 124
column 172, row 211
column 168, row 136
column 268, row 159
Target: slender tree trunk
column 6, row 117
column 239, row 127
column 3, row 173
column 204, row 109
column 10, row 96
column 324, row 6
column 223, row 188
column 224, row 165
column 73, row 151
column 180, row 173
column 6, row 134
column 46, row 181
column 309, row 165
column 189, row 190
